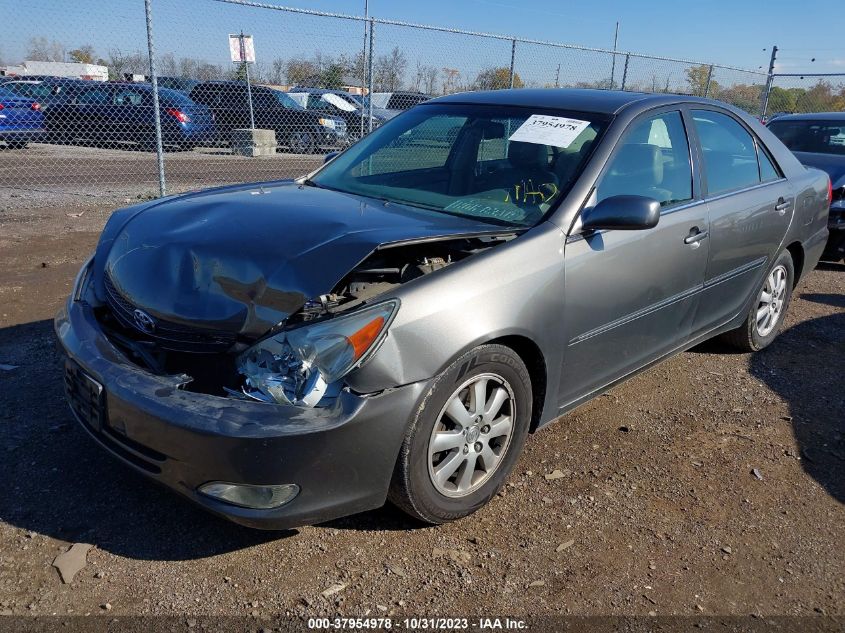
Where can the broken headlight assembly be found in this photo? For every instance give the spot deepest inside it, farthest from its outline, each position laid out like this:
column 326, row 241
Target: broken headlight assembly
column 301, row 365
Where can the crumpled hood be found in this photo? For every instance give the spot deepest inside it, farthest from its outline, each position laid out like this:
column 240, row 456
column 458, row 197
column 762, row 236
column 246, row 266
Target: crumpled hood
column 833, row 164
column 242, row 259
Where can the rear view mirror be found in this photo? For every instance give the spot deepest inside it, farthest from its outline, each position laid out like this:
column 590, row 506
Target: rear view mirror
column 329, row 156
column 623, row 213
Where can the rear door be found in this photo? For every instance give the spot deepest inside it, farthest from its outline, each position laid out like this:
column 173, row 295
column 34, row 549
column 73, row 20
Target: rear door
column 85, row 115
column 131, row 115
column 632, row 296
column 751, row 205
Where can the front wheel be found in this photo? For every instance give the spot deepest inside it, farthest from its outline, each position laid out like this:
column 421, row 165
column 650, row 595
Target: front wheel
column 465, row 437
column 767, row 313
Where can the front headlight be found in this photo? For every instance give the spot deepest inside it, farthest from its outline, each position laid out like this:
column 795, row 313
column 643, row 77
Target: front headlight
column 297, row 366
column 329, row 123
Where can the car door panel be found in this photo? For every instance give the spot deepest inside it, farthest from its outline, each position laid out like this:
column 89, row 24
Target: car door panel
column 633, row 296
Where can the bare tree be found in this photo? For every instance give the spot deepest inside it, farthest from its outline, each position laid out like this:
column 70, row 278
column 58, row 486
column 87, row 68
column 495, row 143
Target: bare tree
column 39, row 49
column 121, row 63
column 389, row 70
column 299, row 71
column 277, row 71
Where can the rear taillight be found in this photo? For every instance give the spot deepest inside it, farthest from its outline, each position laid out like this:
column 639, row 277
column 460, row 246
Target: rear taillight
column 2, row 106
column 829, row 192
column 35, row 106
column 178, row 115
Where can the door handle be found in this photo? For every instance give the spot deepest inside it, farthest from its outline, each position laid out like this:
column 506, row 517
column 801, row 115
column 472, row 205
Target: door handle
column 782, row 205
column 695, row 236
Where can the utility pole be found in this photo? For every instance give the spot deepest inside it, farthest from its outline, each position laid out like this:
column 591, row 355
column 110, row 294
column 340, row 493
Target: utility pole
column 248, row 84
column 364, row 61
column 557, row 77
column 613, row 63
column 764, row 106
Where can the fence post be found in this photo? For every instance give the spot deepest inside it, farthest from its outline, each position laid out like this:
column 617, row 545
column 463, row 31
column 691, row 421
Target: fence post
column 162, row 184
column 513, row 58
column 764, row 106
column 625, row 70
column 370, row 79
column 707, row 85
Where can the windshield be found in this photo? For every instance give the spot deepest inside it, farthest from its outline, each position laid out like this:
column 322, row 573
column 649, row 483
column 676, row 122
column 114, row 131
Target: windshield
column 285, row 100
column 503, row 165
column 823, row 137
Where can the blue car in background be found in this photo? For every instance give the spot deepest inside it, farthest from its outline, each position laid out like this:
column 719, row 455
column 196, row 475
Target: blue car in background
column 116, row 113
column 21, row 120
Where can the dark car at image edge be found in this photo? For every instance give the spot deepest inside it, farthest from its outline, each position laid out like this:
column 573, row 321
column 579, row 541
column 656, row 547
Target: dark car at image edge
column 818, row 140
column 395, row 324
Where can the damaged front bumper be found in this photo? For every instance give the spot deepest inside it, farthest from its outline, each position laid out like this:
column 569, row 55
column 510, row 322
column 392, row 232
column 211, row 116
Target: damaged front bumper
column 340, row 457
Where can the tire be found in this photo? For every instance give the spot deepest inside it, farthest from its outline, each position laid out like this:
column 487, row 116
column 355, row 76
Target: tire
column 751, row 336
column 302, row 143
column 17, row 144
column 413, row 487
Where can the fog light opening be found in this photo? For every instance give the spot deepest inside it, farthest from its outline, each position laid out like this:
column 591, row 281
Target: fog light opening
column 250, row 496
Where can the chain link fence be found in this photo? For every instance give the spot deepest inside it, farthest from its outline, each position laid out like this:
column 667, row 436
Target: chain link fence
column 803, row 93
column 320, row 81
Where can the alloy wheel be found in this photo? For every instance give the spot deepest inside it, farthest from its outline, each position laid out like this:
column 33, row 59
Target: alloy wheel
column 771, row 302
column 471, row 435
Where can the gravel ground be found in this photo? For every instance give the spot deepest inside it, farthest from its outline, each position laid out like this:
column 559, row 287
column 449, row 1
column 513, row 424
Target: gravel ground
column 712, row 484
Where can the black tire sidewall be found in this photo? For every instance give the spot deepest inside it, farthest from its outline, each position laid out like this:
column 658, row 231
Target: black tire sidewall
column 427, row 502
column 759, row 342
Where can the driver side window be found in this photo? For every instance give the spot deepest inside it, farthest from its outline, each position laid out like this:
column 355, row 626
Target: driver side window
column 652, row 160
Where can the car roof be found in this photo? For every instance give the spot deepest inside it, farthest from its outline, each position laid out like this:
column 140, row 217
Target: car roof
column 811, row 116
column 577, row 99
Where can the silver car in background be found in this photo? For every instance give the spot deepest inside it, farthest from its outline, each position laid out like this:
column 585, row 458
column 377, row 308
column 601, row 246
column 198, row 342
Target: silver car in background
column 395, row 324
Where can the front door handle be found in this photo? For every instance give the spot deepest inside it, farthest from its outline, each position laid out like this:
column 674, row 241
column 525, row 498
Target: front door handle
column 782, row 205
column 695, row 236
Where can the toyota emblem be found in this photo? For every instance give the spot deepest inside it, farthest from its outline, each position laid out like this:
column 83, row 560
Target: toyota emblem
column 144, row 321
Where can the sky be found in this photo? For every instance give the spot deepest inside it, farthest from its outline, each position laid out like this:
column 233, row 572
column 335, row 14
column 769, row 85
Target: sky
column 733, row 32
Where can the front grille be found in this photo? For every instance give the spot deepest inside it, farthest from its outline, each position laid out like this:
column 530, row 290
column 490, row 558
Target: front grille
column 166, row 334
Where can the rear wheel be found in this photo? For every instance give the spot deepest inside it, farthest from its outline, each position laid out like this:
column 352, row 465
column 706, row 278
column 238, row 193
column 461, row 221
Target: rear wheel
column 17, row 144
column 767, row 313
column 465, row 437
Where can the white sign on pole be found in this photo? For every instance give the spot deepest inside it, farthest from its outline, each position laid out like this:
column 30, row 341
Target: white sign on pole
column 248, row 48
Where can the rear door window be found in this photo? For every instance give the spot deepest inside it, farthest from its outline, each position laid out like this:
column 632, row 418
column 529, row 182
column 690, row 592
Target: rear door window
column 730, row 154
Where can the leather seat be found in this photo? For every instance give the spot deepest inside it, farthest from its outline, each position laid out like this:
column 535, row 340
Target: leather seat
column 637, row 169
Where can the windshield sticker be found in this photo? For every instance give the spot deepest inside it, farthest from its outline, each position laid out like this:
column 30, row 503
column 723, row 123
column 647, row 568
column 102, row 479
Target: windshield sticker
column 484, row 209
column 543, row 129
column 338, row 102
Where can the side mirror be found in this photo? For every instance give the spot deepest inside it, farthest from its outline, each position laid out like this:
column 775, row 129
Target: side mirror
column 623, row 213
column 329, row 156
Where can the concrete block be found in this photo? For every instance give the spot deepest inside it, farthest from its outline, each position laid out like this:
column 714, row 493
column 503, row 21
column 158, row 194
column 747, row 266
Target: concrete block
column 256, row 142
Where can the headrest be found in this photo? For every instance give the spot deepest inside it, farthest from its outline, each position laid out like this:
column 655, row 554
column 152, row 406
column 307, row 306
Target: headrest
column 528, row 155
column 643, row 160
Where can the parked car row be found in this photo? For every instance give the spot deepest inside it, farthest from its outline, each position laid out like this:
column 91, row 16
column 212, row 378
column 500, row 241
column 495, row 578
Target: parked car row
column 191, row 113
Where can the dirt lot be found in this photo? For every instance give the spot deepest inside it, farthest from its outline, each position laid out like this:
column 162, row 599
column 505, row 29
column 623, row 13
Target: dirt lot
column 659, row 509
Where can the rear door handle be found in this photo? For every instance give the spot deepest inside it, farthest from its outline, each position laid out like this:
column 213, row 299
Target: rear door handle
column 695, row 236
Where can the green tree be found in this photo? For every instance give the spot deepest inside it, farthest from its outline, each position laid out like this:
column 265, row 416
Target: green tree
column 497, row 79
column 83, row 55
column 697, row 79
column 331, row 76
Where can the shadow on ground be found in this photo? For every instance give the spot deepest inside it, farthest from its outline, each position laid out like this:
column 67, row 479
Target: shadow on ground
column 808, row 359
column 61, row 484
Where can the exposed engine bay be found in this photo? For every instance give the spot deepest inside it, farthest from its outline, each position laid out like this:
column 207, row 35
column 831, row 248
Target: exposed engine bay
column 302, row 359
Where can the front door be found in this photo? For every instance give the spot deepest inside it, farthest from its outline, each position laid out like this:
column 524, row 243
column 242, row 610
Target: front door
column 632, row 296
